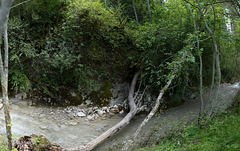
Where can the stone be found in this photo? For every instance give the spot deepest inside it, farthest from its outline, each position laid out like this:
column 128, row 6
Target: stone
column 42, row 115
column 96, row 116
column 104, row 108
column 100, row 112
column 112, row 110
column 43, row 127
column 73, row 123
column 105, row 125
column 68, row 111
column 81, row 114
column 1, row 105
column 90, row 111
column 111, row 114
column 21, row 96
column 89, row 117
column 88, row 102
column 99, row 129
column 35, row 142
column 95, row 108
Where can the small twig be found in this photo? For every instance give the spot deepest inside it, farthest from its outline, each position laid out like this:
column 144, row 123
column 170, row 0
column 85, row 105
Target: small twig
column 206, row 38
column 190, row 3
column 141, row 96
column 20, row 3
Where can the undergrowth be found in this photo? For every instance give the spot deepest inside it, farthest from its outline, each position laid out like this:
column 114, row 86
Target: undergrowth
column 222, row 134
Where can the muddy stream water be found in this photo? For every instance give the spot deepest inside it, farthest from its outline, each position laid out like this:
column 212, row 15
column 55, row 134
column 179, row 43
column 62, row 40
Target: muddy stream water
column 61, row 126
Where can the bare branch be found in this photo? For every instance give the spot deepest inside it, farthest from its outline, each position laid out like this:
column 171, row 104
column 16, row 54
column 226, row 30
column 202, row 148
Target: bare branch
column 190, row 3
column 20, row 4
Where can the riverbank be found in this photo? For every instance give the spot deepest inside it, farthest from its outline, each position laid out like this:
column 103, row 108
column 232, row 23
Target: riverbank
column 222, row 133
column 72, row 131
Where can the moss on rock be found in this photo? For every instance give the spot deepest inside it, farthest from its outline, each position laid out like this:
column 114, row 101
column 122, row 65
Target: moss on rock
column 36, row 143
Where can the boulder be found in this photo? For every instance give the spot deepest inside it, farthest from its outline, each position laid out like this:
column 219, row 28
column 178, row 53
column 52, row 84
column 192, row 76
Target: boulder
column 81, row 114
column 89, row 117
column 73, row 123
column 35, row 142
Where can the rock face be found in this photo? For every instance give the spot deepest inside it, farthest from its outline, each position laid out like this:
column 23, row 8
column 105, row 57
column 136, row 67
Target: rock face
column 21, row 96
column 119, row 93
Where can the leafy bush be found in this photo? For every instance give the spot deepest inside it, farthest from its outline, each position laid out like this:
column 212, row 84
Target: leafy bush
column 64, row 45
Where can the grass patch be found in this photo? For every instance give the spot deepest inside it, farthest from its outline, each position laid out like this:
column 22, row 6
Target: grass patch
column 222, row 134
column 3, row 143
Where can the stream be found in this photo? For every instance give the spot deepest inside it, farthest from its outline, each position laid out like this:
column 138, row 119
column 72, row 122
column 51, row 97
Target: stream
column 60, row 126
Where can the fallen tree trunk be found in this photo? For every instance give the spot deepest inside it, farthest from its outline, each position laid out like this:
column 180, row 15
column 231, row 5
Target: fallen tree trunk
column 150, row 115
column 125, row 121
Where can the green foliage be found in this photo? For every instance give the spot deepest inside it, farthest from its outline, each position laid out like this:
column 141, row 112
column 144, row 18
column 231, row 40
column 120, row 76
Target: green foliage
column 59, row 45
column 230, row 44
column 20, row 82
column 158, row 44
column 3, row 144
column 63, row 45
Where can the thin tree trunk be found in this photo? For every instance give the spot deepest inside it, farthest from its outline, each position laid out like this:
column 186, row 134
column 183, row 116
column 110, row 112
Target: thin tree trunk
column 4, row 82
column 200, row 66
column 216, row 51
column 4, row 14
column 135, row 12
column 216, row 59
column 149, row 11
column 213, row 71
column 133, row 110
